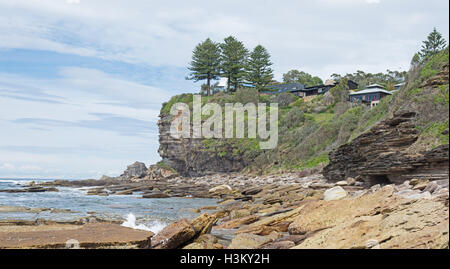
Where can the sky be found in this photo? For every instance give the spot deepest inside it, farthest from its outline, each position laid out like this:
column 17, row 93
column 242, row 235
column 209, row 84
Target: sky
column 82, row 81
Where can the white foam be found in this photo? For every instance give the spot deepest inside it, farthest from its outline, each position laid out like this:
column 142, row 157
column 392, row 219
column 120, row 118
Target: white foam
column 155, row 226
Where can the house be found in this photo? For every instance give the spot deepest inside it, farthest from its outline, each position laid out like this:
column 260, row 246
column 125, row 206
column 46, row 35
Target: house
column 323, row 88
column 222, row 84
column 301, row 90
column 398, row 86
column 350, row 83
column 371, row 95
column 288, row 87
column 313, row 90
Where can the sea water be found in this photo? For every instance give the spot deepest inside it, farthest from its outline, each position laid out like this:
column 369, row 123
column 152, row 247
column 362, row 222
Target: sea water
column 132, row 210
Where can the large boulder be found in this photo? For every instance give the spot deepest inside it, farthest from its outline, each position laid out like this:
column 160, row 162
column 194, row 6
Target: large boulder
column 136, row 170
column 174, row 235
column 181, row 232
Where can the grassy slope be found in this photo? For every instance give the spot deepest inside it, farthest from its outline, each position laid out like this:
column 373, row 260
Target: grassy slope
column 308, row 131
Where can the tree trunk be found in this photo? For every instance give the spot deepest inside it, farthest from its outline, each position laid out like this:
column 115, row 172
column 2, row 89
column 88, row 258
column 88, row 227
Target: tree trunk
column 208, row 89
column 228, row 83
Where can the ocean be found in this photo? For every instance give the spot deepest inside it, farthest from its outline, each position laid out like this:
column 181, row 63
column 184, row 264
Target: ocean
column 135, row 212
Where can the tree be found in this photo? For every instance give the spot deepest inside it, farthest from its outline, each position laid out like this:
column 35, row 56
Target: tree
column 233, row 57
column 295, row 76
column 258, row 71
column 432, row 45
column 415, row 60
column 205, row 63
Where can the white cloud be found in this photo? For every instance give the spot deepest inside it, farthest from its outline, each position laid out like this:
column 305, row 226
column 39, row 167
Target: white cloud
column 73, row 2
column 164, row 33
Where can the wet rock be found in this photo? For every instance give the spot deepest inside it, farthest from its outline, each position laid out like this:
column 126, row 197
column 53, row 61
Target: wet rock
column 31, row 189
column 155, row 195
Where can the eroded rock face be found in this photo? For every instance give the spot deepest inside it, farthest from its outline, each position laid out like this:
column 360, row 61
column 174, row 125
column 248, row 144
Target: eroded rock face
column 188, row 157
column 380, row 155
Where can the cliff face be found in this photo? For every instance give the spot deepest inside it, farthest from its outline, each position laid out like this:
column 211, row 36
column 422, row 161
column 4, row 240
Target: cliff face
column 381, row 155
column 412, row 143
column 189, row 157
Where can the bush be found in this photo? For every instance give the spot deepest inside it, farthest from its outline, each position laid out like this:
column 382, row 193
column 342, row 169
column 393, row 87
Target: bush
column 284, row 99
column 294, row 118
column 247, row 95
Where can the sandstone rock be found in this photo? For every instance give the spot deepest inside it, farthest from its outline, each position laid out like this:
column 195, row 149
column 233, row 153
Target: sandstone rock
column 351, row 181
column 419, row 224
column 279, row 222
column 203, row 223
column 222, row 189
column 205, row 241
column 236, row 214
column 92, row 235
column 166, row 173
column 279, row 245
column 188, row 157
column 248, row 241
column 421, row 186
column 173, row 235
column 432, row 187
column 252, row 190
column 335, row 193
column 322, row 214
column 342, row 183
column 135, row 170
column 234, row 223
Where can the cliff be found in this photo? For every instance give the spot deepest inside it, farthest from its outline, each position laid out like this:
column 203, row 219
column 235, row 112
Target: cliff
column 189, row 156
column 381, row 155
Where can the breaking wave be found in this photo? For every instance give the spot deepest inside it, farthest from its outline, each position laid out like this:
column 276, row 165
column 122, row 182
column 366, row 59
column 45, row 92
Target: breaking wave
column 154, row 226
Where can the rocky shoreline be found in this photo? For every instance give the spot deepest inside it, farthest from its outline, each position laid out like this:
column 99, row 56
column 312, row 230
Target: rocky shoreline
column 272, row 212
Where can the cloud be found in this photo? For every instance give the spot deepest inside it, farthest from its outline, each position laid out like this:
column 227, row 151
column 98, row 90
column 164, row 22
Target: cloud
column 106, row 122
column 73, row 2
column 164, row 33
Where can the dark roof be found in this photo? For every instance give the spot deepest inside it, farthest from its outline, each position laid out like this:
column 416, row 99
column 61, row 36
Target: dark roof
column 288, row 87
